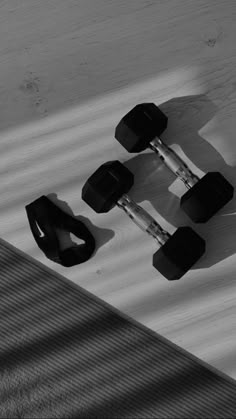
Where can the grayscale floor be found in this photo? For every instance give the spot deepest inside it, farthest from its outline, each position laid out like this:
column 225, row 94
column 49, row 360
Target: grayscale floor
column 69, row 72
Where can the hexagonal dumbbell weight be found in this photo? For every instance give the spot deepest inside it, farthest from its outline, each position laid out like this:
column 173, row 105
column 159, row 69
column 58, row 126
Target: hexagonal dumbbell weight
column 108, row 186
column 141, row 128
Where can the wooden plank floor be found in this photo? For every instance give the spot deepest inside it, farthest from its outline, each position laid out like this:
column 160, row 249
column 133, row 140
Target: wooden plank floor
column 69, row 72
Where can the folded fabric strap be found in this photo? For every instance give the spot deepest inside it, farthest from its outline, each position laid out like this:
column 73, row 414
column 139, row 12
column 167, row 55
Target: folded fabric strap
column 44, row 215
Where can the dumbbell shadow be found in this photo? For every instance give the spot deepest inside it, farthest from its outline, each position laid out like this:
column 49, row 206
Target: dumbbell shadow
column 101, row 235
column 187, row 115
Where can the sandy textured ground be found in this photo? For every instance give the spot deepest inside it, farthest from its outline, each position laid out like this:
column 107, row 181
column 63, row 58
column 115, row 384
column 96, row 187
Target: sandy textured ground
column 69, row 71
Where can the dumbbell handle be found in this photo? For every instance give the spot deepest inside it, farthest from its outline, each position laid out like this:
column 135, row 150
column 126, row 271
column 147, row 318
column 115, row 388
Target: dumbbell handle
column 174, row 162
column 143, row 219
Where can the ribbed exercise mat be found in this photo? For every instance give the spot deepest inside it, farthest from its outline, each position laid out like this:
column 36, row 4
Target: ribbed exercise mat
column 64, row 353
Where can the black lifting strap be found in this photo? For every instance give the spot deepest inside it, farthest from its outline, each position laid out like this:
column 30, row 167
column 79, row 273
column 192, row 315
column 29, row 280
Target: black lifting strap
column 44, row 215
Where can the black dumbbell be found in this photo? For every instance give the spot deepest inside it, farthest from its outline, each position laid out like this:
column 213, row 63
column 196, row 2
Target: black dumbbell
column 108, row 186
column 141, row 128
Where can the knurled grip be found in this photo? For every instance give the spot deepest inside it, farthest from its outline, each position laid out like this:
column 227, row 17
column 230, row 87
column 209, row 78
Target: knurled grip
column 143, row 220
column 174, row 162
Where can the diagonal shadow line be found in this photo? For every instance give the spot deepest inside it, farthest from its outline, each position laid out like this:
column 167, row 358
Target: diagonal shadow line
column 54, row 339
column 149, row 304
column 40, row 308
column 73, row 182
column 226, row 362
column 156, row 395
column 135, row 348
column 142, row 401
column 28, row 290
column 168, row 382
column 191, row 112
column 72, row 152
column 119, row 264
column 153, row 301
column 181, row 100
column 13, row 146
column 60, row 339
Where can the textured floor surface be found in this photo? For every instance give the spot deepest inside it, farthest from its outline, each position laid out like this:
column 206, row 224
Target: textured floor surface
column 69, row 71
column 64, row 353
